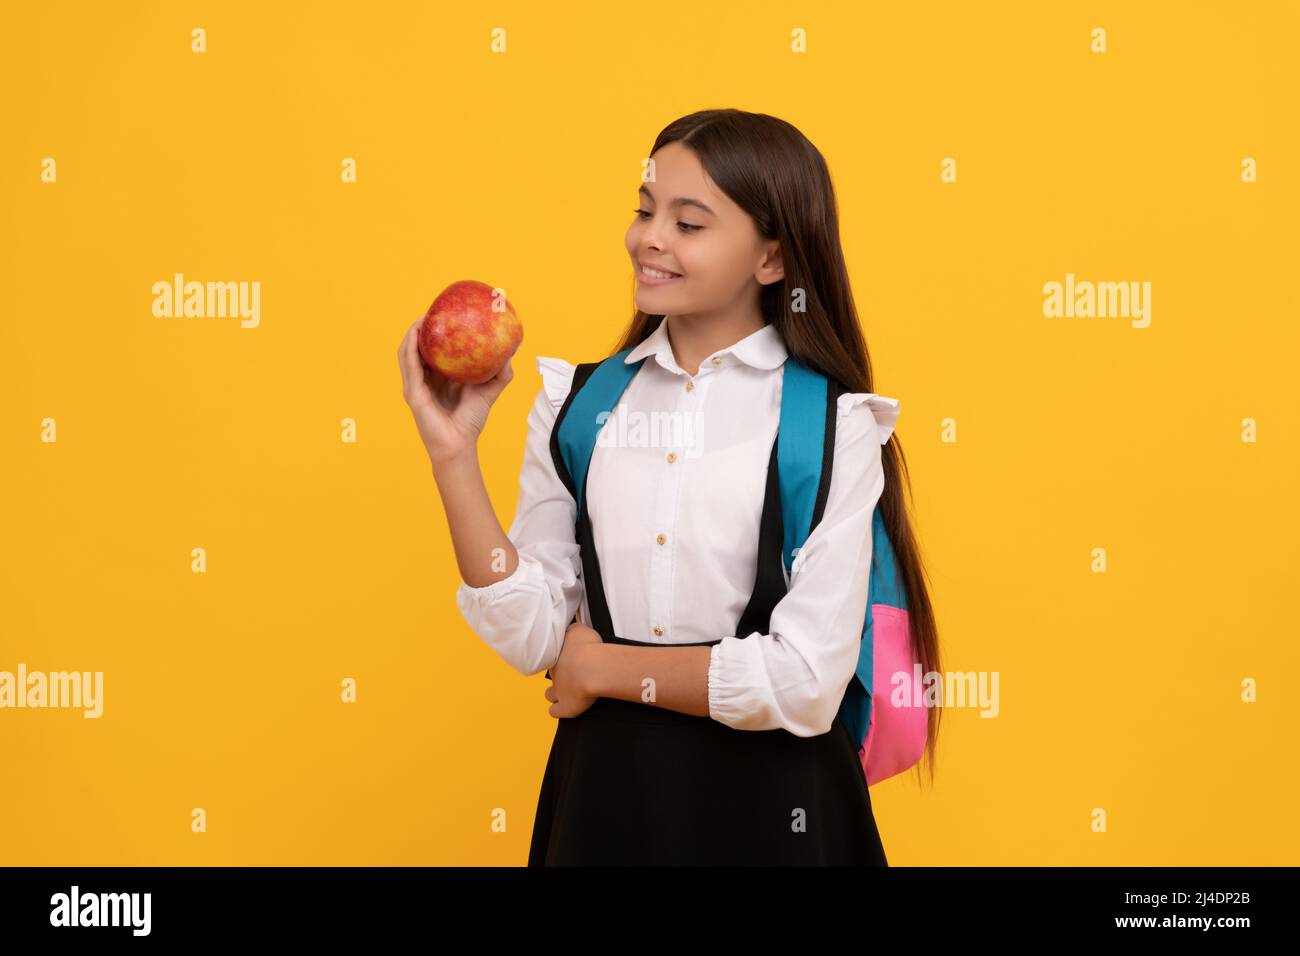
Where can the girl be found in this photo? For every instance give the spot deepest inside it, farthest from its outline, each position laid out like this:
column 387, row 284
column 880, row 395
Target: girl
column 697, row 693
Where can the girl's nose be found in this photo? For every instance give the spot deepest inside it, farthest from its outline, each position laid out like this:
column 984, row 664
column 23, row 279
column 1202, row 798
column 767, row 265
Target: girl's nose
column 652, row 243
column 652, row 237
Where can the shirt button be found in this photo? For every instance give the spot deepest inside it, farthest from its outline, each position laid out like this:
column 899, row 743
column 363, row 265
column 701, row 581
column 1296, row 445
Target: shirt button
column 672, row 457
column 658, row 631
column 661, row 539
column 690, row 386
column 717, row 361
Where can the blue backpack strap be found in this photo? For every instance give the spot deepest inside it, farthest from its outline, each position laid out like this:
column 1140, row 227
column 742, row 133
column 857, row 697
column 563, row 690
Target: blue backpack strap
column 805, row 447
column 798, row 478
column 596, row 389
column 805, row 455
column 806, row 451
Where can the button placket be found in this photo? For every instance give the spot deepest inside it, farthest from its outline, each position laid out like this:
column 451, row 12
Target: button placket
column 666, row 499
column 689, row 403
column 694, row 404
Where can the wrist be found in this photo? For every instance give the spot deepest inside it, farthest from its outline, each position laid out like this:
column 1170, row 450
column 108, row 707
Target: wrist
column 463, row 461
column 590, row 673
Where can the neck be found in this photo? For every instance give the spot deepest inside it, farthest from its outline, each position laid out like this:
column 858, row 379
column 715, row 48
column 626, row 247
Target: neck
column 694, row 338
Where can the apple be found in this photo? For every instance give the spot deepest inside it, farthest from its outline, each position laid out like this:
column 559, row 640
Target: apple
column 470, row 332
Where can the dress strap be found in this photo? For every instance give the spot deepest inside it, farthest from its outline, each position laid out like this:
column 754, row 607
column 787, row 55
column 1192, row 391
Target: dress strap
column 769, row 582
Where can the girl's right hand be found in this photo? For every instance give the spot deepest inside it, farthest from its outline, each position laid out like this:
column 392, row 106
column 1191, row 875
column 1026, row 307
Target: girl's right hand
column 450, row 416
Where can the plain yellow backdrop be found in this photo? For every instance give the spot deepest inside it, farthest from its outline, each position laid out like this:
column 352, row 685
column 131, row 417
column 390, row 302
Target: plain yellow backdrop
column 330, row 560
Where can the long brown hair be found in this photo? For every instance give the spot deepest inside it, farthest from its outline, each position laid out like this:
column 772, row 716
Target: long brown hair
column 771, row 170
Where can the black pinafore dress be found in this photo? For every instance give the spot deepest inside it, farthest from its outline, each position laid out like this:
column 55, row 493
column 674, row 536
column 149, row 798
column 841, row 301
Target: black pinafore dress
column 629, row 783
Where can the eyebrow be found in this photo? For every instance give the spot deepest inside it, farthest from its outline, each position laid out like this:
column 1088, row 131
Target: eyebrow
column 679, row 201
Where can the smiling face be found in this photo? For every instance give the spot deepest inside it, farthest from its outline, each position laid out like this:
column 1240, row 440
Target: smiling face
column 686, row 226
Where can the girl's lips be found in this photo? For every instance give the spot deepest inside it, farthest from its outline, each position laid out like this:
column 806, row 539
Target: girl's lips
column 646, row 279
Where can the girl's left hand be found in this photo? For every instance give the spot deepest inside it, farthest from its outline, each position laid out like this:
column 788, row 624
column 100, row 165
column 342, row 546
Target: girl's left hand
column 568, row 690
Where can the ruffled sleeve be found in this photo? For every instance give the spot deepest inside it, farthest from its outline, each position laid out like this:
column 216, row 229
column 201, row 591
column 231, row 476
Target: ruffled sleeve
column 884, row 409
column 557, row 379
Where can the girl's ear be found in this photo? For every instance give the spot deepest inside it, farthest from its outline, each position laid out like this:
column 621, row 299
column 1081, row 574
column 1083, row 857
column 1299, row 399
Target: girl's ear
column 771, row 269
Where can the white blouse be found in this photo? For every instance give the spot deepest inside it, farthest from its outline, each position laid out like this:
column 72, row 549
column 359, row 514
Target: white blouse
column 675, row 515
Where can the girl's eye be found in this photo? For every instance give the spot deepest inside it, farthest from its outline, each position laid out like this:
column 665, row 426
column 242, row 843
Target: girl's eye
column 684, row 226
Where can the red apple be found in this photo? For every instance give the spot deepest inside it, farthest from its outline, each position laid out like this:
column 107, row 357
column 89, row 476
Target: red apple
column 470, row 332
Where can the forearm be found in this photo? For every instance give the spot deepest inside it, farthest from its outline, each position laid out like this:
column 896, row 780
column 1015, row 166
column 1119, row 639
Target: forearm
column 484, row 553
column 674, row 678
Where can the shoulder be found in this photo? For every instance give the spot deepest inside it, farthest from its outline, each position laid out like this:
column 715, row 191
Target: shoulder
column 866, row 411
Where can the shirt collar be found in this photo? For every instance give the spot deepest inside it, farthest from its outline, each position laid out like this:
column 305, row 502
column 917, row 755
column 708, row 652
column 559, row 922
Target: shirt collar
column 763, row 348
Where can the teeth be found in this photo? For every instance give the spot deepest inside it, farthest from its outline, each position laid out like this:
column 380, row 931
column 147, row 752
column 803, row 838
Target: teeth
column 655, row 274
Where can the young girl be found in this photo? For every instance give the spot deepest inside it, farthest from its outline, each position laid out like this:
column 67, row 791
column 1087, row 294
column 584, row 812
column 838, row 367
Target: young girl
column 697, row 691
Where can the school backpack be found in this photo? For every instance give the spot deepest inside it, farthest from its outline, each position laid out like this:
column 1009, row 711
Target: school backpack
column 890, row 735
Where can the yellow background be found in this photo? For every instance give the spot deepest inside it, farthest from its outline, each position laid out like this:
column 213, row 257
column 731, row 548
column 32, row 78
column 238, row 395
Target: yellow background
column 329, row 560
